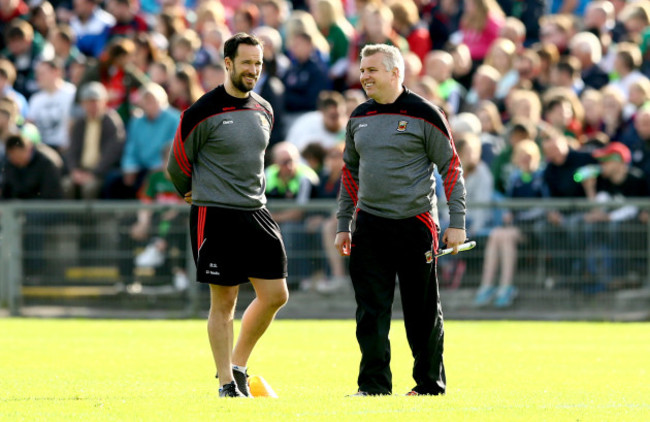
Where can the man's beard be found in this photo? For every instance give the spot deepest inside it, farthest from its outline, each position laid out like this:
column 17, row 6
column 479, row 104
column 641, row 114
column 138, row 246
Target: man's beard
column 238, row 81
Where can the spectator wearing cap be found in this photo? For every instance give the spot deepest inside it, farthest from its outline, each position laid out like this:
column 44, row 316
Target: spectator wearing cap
column 622, row 227
column 96, row 144
column 91, row 24
column 50, row 107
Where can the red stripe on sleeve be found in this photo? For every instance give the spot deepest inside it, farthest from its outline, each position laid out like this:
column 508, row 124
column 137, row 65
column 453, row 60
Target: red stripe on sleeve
column 179, row 155
column 179, row 149
column 348, row 188
column 452, row 175
column 354, row 184
column 350, row 185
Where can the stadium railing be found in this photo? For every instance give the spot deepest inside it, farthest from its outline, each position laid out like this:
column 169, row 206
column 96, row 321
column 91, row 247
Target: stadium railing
column 71, row 253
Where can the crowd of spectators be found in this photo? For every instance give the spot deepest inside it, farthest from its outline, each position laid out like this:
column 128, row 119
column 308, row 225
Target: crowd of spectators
column 92, row 91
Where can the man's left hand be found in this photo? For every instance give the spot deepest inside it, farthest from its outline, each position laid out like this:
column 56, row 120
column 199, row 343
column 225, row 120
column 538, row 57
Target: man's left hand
column 454, row 237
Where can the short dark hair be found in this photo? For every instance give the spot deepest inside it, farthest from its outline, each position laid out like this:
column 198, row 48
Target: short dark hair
column 523, row 126
column 330, row 98
column 570, row 65
column 19, row 29
column 630, row 55
column 315, row 150
column 555, row 102
column 15, row 142
column 232, row 44
column 65, row 32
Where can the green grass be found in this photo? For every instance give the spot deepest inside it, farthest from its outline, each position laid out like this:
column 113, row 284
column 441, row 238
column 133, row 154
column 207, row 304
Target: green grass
column 90, row 370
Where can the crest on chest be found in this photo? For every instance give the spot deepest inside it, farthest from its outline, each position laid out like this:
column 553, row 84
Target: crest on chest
column 263, row 121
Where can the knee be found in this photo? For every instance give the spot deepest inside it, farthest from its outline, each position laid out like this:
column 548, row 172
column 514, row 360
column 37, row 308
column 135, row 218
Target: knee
column 276, row 300
column 222, row 308
column 222, row 312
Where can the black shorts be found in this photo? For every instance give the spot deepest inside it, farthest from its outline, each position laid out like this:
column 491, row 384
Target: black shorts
column 229, row 246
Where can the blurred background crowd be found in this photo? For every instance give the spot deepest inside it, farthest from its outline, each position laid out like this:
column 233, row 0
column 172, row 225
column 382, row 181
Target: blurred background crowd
column 546, row 98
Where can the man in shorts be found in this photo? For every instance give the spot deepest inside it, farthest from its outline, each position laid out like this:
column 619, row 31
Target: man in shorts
column 217, row 164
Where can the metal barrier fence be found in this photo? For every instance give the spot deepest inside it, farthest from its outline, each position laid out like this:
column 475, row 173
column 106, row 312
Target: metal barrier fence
column 102, row 254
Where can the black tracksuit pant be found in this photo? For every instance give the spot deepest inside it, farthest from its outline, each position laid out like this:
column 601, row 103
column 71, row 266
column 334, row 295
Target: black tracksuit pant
column 382, row 249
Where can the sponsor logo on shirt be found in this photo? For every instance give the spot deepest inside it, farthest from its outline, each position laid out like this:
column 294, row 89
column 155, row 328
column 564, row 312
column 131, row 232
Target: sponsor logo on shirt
column 363, row 125
column 401, row 125
column 228, row 122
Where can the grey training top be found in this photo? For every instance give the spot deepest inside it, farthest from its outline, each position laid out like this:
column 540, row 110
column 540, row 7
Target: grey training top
column 390, row 152
column 218, row 150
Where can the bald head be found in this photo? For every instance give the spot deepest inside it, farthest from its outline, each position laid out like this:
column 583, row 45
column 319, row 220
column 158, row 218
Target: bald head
column 439, row 65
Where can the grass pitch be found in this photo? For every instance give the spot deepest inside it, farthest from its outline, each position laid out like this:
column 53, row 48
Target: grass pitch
column 90, row 370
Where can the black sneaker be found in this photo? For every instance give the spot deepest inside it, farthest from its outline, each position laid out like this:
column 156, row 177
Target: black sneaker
column 230, row 390
column 241, row 379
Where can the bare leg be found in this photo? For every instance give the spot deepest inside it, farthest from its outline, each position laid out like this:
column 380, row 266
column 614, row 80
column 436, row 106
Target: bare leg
column 271, row 296
column 509, row 256
column 491, row 259
column 220, row 333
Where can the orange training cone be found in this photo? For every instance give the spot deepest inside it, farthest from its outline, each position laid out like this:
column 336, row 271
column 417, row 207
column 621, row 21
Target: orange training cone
column 260, row 388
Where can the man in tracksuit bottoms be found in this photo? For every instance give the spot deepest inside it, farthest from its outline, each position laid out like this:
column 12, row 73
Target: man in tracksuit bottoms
column 217, row 164
column 393, row 141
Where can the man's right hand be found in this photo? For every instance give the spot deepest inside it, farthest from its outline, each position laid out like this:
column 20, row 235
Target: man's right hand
column 188, row 197
column 343, row 242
